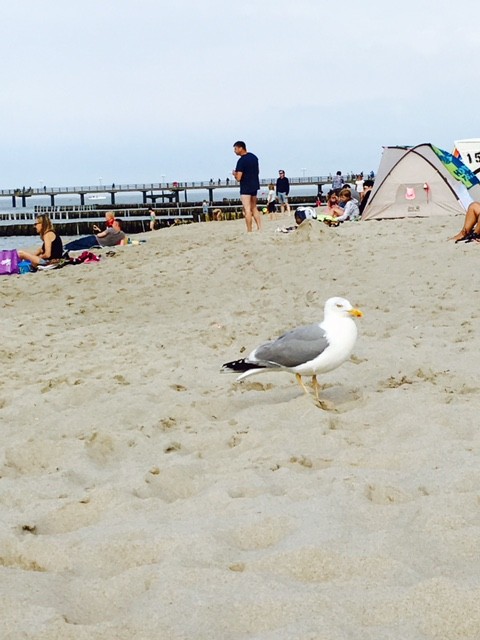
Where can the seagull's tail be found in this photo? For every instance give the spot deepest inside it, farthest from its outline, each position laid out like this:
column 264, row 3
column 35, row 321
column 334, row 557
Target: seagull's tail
column 244, row 367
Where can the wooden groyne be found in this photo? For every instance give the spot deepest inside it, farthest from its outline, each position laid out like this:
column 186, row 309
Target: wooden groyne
column 74, row 220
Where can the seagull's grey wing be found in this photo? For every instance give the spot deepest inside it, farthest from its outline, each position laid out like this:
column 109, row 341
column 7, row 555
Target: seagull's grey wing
column 294, row 347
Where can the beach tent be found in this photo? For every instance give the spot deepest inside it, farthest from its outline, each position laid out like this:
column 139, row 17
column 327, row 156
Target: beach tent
column 420, row 181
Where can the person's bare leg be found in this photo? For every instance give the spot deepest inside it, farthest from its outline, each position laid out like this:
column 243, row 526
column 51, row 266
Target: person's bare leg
column 472, row 222
column 247, row 210
column 24, row 255
column 257, row 216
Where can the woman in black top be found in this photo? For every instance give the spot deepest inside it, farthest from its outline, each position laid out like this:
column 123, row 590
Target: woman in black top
column 52, row 247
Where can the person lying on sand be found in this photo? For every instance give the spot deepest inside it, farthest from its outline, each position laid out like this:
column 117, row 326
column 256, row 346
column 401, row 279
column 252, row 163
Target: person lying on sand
column 111, row 237
column 471, row 225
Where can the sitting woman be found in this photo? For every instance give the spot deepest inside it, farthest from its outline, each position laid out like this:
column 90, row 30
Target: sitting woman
column 347, row 208
column 52, row 247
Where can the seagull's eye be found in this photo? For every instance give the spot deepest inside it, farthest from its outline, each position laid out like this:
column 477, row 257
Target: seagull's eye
column 340, row 306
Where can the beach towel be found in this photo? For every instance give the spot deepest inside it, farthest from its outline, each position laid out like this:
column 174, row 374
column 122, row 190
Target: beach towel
column 87, row 257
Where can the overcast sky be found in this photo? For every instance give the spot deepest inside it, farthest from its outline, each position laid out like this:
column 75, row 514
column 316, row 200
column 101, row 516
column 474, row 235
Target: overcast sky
column 134, row 90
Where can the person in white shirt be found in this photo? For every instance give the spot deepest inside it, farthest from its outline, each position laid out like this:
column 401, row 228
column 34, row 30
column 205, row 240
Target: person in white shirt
column 359, row 185
column 271, row 201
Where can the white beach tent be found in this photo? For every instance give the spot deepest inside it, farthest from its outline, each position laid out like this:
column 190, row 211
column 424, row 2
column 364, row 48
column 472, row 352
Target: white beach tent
column 420, row 181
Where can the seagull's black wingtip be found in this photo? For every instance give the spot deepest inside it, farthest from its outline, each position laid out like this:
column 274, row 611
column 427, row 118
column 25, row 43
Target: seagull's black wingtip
column 240, row 366
column 236, row 366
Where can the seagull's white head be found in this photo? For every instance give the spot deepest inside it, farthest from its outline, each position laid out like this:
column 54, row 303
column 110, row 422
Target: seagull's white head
column 340, row 307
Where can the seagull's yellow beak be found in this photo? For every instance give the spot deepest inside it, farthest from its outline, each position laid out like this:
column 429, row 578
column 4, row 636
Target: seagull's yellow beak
column 356, row 313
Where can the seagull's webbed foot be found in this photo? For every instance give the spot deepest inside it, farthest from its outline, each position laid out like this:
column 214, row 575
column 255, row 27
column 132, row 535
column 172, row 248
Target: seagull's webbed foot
column 326, row 405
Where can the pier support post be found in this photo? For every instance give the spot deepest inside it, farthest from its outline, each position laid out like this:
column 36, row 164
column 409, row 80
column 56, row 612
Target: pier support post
column 82, row 199
column 52, row 200
column 14, row 202
column 210, row 195
column 144, row 197
column 112, row 197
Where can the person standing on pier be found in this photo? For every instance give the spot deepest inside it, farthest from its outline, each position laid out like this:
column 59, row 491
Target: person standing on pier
column 283, row 189
column 247, row 174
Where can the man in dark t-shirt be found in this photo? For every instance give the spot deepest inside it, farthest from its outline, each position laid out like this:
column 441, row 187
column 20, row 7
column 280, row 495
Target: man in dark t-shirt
column 246, row 173
column 283, row 189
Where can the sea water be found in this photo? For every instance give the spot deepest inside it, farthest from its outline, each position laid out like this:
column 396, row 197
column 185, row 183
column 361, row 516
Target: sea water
column 27, row 243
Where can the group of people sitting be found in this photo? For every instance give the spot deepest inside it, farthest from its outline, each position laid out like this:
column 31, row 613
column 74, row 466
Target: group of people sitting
column 342, row 206
column 53, row 249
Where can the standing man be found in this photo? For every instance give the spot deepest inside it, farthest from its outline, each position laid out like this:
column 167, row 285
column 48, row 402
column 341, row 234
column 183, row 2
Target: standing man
column 246, row 173
column 338, row 181
column 283, row 189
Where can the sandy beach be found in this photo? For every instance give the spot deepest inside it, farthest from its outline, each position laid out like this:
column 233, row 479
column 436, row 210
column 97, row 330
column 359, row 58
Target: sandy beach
column 146, row 495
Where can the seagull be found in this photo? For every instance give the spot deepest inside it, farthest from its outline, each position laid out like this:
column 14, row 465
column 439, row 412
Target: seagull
column 307, row 350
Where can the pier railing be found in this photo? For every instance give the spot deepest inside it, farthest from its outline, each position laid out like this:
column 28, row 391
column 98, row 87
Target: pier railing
column 156, row 186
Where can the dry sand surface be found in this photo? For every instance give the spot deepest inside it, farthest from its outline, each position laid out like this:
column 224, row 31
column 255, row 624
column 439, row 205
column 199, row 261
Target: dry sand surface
column 146, row 495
